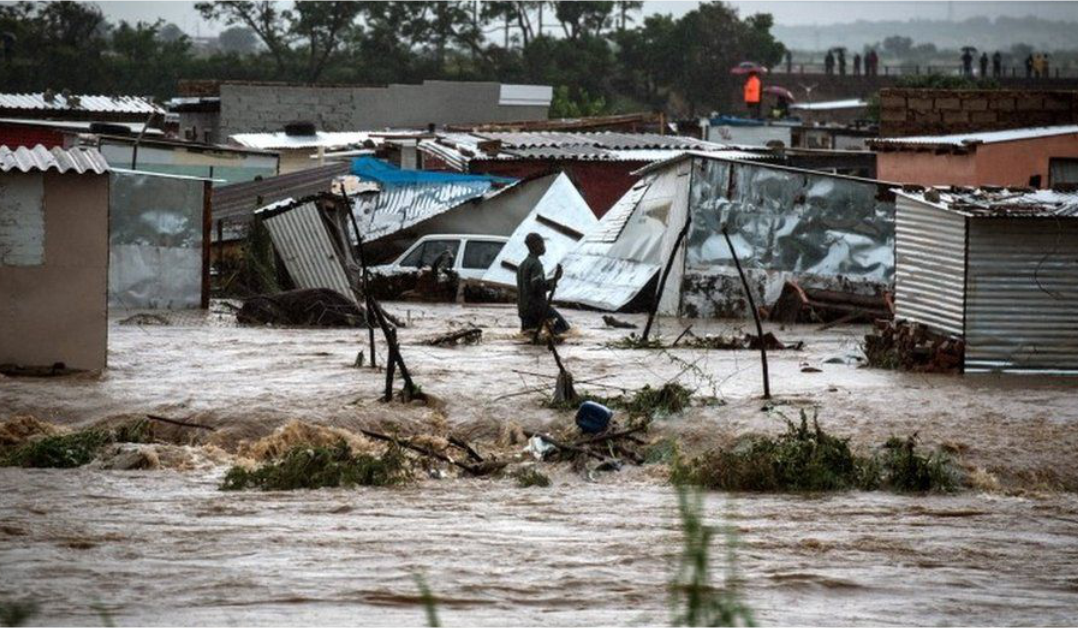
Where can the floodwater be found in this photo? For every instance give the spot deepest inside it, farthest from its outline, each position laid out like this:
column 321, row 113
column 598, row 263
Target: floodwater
column 166, row 547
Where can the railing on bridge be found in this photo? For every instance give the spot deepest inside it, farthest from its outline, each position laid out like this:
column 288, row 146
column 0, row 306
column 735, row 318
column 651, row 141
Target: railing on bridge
column 1006, row 72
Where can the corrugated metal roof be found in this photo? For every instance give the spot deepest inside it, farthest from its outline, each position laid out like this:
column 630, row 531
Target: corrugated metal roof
column 457, row 149
column 401, row 206
column 90, row 103
column 239, row 200
column 323, row 139
column 41, row 159
column 1000, row 202
column 967, row 139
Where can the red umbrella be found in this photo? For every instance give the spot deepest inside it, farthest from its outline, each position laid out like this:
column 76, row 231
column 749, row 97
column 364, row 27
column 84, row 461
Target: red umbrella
column 781, row 92
column 746, row 67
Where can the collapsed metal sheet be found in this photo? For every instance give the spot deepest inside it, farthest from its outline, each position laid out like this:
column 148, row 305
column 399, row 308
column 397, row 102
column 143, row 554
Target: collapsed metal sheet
column 822, row 230
column 398, row 207
column 624, row 251
column 155, row 241
column 561, row 216
column 301, row 238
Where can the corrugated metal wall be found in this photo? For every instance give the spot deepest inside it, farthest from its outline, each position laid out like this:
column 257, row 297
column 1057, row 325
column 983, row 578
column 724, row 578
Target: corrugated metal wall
column 300, row 236
column 930, row 245
column 1022, row 304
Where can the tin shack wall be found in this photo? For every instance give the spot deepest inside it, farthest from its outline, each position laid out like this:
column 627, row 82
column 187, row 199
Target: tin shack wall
column 821, row 230
column 930, row 259
column 1022, row 301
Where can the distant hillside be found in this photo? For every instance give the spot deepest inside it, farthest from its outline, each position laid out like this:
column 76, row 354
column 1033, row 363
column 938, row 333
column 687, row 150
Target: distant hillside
column 983, row 33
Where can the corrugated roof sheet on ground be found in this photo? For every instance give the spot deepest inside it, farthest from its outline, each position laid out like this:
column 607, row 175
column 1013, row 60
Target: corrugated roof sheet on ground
column 95, row 104
column 41, row 159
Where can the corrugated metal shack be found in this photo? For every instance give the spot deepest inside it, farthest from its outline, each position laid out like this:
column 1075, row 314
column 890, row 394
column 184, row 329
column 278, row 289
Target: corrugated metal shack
column 822, row 230
column 998, row 267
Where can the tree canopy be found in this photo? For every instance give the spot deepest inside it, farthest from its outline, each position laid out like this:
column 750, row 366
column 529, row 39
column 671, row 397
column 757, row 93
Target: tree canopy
column 600, row 56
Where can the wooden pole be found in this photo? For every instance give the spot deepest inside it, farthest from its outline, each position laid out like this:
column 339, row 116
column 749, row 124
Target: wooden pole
column 207, row 241
column 666, row 273
column 755, row 314
column 364, row 275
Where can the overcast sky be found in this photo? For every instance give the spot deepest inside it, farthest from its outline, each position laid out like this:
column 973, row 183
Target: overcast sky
column 787, row 12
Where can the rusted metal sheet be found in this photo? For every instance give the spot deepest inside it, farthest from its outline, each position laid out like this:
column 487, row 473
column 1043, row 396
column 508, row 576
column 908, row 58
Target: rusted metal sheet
column 1022, row 301
column 930, row 259
column 301, row 238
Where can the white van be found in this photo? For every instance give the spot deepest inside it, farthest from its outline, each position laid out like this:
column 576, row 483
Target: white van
column 478, row 254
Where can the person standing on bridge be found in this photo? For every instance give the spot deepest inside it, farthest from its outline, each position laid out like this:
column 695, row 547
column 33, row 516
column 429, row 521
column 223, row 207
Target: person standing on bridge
column 997, row 64
column 753, row 92
column 829, row 63
column 856, row 64
column 872, row 62
column 984, row 64
column 967, row 62
column 841, row 62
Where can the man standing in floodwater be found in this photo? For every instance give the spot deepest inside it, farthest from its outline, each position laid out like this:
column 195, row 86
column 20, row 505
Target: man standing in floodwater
column 532, row 289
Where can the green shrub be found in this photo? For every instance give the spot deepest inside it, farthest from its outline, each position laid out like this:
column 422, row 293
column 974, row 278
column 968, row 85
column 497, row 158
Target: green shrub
column 898, row 466
column 670, row 398
column 321, row 467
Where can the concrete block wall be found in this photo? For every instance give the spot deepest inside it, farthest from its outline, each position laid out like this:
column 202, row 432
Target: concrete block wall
column 252, row 107
column 906, row 112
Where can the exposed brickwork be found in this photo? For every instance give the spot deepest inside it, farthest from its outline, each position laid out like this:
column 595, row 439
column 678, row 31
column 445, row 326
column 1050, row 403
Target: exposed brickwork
column 905, row 112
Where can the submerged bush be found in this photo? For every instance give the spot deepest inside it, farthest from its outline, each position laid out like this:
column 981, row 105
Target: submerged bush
column 805, row 459
column 66, row 451
column 322, row 467
column 63, row 451
column 527, row 478
column 898, row 466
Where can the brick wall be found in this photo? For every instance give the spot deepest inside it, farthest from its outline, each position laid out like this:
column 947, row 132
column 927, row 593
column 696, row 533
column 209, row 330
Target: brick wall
column 261, row 107
column 905, row 112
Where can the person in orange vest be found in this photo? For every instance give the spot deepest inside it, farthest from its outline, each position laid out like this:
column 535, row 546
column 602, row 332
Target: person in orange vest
column 752, row 94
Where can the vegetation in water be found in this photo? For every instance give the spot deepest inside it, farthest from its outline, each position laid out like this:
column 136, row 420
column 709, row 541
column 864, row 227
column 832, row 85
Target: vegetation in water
column 66, row 451
column 527, row 478
column 322, row 467
column 430, row 603
column 696, row 601
column 669, row 399
column 807, row 459
column 17, row 613
column 633, row 341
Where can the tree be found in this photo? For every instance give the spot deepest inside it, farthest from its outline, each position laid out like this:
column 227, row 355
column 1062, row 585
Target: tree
column 897, row 46
column 170, row 32
column 322, row 25
column 583, row 17
column 239, row 39
column 271, row 24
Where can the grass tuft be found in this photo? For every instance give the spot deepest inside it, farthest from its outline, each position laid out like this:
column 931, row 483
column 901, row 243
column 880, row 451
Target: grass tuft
column 322, row 467
column 632, row 341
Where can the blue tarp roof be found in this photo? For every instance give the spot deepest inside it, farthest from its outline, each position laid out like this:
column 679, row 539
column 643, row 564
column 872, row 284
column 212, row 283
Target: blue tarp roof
column 373, row 169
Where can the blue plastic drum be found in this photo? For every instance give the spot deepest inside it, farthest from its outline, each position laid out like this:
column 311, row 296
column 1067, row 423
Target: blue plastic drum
column 593, row 418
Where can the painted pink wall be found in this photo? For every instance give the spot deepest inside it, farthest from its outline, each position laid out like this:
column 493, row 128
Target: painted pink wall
column 1003, row 163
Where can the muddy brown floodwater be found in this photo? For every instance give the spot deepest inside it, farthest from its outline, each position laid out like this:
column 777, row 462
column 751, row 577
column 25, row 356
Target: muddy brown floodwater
column 166, row 547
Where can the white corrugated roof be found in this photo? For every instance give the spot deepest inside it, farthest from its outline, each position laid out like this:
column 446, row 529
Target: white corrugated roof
column 90, row 103
column 41, row 159
column 281, row 140
column 77, row 125
column 985, row 137
column 849, row 103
